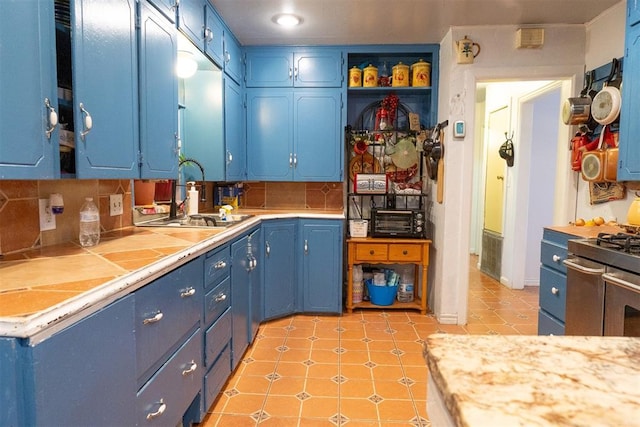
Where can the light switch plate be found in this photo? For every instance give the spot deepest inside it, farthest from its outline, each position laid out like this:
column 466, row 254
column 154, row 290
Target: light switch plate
column 115, row 204
column 47, row 218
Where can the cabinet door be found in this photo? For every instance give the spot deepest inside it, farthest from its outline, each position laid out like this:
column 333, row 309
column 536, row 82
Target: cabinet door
column 158, row 95
column 629, row 156
column 232, row 57
column 167, row 7
column 191, row 21
column 633, row 9
column 105, row 88
column 269, row 134
column 279, row 268
column 27, row 79
column 240, row 299
column 85, row 375
column 9, row 383
column 318, row 135
column 318, row 68
column 213, row 35
column 320, row 247
column 234, row 136
column 255, row 241
column 269, row 68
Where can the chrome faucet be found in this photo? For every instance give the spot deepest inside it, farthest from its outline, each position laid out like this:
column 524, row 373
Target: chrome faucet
column 173, row 207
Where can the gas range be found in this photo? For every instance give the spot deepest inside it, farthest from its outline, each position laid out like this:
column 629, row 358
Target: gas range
column 620, row 250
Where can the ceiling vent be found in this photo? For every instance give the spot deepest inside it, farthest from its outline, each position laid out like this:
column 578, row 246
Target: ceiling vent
column 529, row 38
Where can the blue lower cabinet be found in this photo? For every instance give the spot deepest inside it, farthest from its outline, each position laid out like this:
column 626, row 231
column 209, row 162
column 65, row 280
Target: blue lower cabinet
column 217, row 376
column 553, row 282
column 9, row 372
column 279, row 270
column 549, row 324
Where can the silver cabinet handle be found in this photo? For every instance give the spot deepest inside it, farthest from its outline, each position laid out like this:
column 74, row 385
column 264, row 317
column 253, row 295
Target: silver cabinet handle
column 295, row 73
column 290, row 159
column 191, row 369
column 189, row 292
column 52, row 118
column 574, row 264
column 229, row 157
column 153, row 319
column 268, row 249
column 306, row 246
column 220, row 264
column 555, row 291
column 295, row 160
column 220, row 297
column 290, row 72
column 556, row 258
column 208, row 35
column 87, row 121
column 227, row 56
column 160, row 411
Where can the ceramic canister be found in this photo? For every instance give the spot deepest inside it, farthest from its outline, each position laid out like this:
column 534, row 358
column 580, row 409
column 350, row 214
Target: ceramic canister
column 370, row 76
column 400, row 75
column 355, row 77
column 421, row 74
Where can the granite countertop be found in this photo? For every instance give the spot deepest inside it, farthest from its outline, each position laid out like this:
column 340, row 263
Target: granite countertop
column 46, row 287
column 497, row 380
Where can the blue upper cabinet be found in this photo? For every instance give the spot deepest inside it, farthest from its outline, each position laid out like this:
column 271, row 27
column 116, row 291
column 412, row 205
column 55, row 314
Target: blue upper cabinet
column 234, row 136
column 158, row 95
column 105, row 89
column 199, row 22
column 213, row 35
column 167, row 7
column 27, row 84
column 629, row 156
column 289, row 67
column 232, row 57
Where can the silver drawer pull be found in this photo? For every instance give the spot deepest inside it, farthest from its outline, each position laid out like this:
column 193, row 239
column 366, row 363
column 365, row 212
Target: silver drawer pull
column 220, row 297
column 87, row 121
column 153, row 319
column 189, row 292
column 220, row 264
column 555, row 290
column 160, row 411
column 556, row 258
column 191, row 369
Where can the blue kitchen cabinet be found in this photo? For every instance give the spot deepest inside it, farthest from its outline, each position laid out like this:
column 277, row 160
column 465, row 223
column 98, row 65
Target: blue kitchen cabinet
column 85, row 374
column 28, row 81
column 294, row 134
column 279, row 268
column 293, row 67
column 199, row 22
column 167, row 7
column 158, row 95
column 234, row 136
column 10, row 369
column 553, row 282
column 233, row 59
column 256, row 314
column 213, row 35
column 105, row 88
column 629, row 150
column 243, row 265
column 320, row 264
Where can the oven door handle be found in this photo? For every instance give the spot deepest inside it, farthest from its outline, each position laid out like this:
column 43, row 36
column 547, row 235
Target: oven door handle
column 574, row 264
column 608, row 277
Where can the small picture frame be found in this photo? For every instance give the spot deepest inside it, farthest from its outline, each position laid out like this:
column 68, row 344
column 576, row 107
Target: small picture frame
column 459, row 129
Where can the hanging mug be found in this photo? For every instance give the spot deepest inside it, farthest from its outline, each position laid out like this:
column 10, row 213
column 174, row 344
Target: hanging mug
column 465, row 50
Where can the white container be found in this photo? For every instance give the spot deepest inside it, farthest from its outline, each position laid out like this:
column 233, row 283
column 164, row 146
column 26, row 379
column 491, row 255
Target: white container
column 192, row 207
column 405, row 288
column 358, row 227
column 89, row 223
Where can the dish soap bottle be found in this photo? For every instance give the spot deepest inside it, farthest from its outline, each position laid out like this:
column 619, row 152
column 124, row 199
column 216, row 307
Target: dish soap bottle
column 193, row 199
column 89, row 223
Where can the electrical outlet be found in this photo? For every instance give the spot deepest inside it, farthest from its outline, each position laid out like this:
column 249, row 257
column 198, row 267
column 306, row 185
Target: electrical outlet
column 47, row 218
column 115, row 204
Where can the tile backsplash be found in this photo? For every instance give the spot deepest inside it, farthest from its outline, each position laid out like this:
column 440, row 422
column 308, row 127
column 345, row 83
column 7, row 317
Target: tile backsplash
column 20, row 224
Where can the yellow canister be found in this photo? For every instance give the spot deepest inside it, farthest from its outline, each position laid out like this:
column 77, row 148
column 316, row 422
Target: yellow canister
column 400, row 75
column 355, row 77
column 370, row 76
column 421, row 74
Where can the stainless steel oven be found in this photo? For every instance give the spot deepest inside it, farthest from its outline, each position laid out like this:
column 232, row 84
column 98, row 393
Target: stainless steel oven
column 603, row 286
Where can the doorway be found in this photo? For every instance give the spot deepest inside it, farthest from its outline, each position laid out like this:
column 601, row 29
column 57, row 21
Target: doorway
column 511, row 205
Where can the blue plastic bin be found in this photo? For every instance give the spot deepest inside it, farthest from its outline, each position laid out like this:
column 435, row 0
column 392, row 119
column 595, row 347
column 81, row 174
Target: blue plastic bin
column 381, row 295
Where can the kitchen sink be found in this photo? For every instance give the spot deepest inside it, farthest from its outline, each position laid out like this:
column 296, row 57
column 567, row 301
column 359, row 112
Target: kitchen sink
column 209, row 221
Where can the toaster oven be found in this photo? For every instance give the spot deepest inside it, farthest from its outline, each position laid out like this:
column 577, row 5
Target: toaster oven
column 408, row 223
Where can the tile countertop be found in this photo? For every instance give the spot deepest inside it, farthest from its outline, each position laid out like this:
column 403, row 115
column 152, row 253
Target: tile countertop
column 501, row 380
column 586, row 232
column 43, row 290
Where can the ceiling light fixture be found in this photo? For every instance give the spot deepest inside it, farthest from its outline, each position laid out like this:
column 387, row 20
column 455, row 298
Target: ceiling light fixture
column 187, row 65
column 287, row 20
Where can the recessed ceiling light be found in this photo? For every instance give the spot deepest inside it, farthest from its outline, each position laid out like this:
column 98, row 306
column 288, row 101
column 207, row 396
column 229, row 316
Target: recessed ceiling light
column 287, row 20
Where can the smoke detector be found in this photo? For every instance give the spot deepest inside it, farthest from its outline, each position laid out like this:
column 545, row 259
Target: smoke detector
column 529, row 38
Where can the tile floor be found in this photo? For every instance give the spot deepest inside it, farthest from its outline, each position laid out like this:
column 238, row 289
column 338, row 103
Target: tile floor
column 359, row 369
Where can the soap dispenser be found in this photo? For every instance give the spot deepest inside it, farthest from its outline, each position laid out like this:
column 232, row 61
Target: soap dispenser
column 193, row 199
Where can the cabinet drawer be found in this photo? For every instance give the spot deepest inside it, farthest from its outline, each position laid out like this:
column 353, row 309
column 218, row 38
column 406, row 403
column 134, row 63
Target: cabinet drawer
column 372, row 252
column 217, row 301
column 166, row 310
column 217, row 337
column 217, row 376
column 171, row 390
column 217, row 266
column 552, row 255
column 553, row 286
column 549, row 325
column 405, row 252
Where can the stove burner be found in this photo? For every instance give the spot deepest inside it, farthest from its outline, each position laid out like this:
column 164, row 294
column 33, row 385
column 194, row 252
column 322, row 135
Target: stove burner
column 619, row 242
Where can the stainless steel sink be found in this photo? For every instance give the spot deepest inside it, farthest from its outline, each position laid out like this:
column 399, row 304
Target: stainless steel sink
column 209, row 221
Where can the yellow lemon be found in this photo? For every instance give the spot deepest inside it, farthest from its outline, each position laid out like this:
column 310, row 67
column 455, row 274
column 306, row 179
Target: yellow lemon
column 579, row 222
